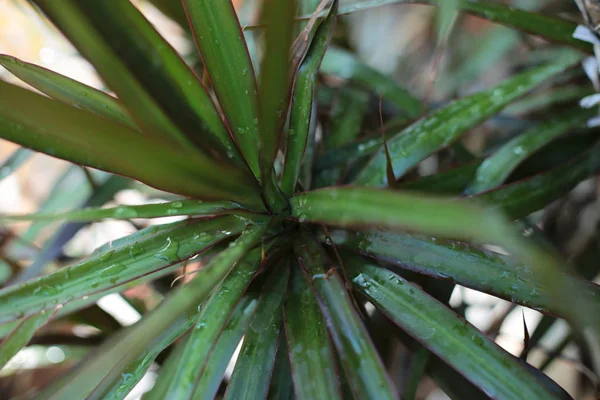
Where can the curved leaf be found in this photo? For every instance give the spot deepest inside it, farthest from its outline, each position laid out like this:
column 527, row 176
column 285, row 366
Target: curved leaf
column 471, row 353
column 151, row 61
column 208, row 327
column 343, row 64
column 67, row 90
column 54, row 128
column 96, row 375
column 173, row 208
column 303, row 100
column 498, row 167
column 115, row 267
column 469, row 266
column 521, row 198
column 364, row 369
column 70, row 20
column 311, row 355
column 226, row 60
column 447, row 124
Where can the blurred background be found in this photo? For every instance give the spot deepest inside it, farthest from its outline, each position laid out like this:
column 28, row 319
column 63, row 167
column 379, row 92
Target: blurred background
column 398, row 40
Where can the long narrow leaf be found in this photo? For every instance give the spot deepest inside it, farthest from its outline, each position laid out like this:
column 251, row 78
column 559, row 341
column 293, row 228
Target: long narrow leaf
column 67, row 90
column 208, row 327
column 174, row 208
column 363, row 367
column 70, row 20
column 212, row 375
column 114, row 267
column 96, row 375
column 521, row 198
column 303, row 100
column 54, row 128
column 447, row 124
column 137, row 368
column 469, row 266
column 282, row 386
column 477, row 357
column 226, row 60
column 438, row 217
column 496, row 168
column 311, row 354
column 254, row 367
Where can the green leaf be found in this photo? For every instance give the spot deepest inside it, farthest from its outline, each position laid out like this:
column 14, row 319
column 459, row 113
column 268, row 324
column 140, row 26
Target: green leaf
column 451, row 181
column 302, row 104
column 115, row 267
column 226, row 61
column 95, row 376
column 136, row 369
column 343, row 64
column 174, row 208
column 438, row 217
column 275, row 79
column 209, row 381
column 549, row 98
column 208, row 327
column 365, row 207
column 254, row 366
column 14, row 161
column 68, row 91
column 282, row 387
column 311, row 353
column 523, row 197
column 482, row 270
column 447, row 124
column 54, row 128
column 363, row 367
column 471, row 353
column 74, row 25
column 167, row 81
column 20, row 336
column 497, row 168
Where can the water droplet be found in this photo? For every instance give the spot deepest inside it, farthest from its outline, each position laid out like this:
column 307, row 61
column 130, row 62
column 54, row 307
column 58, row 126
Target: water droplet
column 177, row 204
column 125, row 212
column 255, row 121
column 135, row 250
column 112, row 270
column 169, row 251
column 245, row 72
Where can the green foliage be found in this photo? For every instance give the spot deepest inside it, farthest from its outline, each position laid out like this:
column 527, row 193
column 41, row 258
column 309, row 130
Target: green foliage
column 301, row 203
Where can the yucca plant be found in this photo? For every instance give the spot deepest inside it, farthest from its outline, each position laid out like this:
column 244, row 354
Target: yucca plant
column 317, row 250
